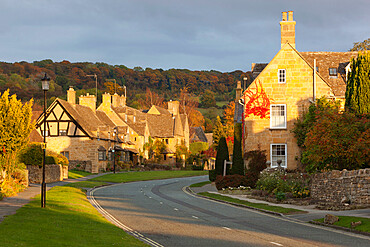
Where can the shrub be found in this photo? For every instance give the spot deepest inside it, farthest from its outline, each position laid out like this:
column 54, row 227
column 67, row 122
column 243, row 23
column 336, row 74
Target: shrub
column 56, row 158
column 32, row 155
column 212, row 175
column 257, row 163
column 197, row 168
column 278, row 181
column 233, row 181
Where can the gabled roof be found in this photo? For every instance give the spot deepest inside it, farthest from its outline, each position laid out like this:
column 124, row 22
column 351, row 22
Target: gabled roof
column 157, row 110
column 161, row 126
column 197, row 135
column 326, row 60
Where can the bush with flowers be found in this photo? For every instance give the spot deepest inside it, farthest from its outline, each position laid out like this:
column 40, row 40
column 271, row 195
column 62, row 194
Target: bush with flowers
column 280, row 183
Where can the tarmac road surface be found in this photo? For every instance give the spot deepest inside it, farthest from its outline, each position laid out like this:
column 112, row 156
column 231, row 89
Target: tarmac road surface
column 161, row 213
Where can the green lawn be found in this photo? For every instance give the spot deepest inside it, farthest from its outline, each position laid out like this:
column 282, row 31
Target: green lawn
column 201, row 184
column 264, row 206
column 147, row 175
column 345, row 221
column 77, row 174
column 68, row 220
column 86, row 184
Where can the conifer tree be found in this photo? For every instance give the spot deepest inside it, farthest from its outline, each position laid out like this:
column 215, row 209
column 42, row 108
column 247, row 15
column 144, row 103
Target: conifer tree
column 358, row 85
column 238, row 164
column 222, row 155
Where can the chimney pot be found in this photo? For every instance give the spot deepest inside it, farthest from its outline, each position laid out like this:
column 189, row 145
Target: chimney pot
column 284, row 16
column 290, row 15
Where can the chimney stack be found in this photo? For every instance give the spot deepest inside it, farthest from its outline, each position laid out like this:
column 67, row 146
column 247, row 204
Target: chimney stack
column 287, row 25
column 89, row 101
column 71, row 95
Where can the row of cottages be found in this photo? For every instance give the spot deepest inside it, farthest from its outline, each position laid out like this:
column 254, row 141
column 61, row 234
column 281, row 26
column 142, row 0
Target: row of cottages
column 87, row 135
column 282, row 90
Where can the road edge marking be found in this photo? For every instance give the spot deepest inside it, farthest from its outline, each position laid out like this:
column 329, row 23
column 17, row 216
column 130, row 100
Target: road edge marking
column 113, row 220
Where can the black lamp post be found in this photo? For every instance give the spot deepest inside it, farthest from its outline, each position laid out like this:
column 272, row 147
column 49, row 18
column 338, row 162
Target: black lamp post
column 114, row 149
column 45, row 87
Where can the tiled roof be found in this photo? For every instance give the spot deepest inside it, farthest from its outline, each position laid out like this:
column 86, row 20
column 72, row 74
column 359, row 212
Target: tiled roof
column 326, row 60
column 197, row 135
column 161, row 126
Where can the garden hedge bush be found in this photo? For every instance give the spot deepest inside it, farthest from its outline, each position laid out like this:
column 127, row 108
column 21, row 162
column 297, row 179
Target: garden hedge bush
column 233, row 181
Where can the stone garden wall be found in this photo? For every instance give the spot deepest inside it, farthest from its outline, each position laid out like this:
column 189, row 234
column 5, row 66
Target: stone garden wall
column 53, row 173
column 341, row 189
column 82, row 165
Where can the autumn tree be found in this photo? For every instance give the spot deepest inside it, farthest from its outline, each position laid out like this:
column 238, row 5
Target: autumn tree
column 218, row 131
column 189, row 106
column 207, row 99
column 358, row 85
column 332, row 140
column 361, row 46
column 229, row 124
column 15, row 128
column 151, row 98
column 337, row 141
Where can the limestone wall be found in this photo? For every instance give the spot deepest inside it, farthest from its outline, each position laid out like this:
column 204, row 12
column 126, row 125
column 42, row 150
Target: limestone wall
column 53, row 173
column 82, row 165
column 342, row 189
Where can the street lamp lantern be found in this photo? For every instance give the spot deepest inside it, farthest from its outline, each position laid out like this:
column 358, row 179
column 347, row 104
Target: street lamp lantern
column 45, row 87
column 45, row 81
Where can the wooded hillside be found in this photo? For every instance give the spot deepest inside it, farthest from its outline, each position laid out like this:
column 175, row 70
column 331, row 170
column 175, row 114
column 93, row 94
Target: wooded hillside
column 23, row 78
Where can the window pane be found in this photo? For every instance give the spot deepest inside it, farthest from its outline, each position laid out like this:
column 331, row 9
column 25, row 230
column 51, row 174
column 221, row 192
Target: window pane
column 277, row 116
column 281, row 74
column 278, row 152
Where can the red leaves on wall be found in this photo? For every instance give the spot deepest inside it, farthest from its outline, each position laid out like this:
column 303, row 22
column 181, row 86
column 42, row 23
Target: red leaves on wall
column 256, row 102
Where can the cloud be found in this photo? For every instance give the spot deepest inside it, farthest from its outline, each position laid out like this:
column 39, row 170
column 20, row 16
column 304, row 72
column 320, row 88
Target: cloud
column 195, row 34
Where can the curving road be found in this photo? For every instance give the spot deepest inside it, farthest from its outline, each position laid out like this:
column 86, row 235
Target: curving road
column 160, row 213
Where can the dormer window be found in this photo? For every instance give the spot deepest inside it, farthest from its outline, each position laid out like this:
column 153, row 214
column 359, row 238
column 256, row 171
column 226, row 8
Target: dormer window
column 333, row 72
column 134, row 119
column 282, row 76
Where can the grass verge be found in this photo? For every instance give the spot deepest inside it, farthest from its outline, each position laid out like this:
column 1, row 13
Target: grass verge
column 148, row 175
column 201, row 184
column 263, row 206
column 68, row 220
column 86, row 184
column 345, row 221
column 77, row 174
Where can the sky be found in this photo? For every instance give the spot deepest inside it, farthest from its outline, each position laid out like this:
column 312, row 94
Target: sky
column 223, row 35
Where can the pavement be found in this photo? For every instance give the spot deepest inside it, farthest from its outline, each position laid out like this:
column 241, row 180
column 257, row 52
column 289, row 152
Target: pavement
column 10, row 205
column 312, row 212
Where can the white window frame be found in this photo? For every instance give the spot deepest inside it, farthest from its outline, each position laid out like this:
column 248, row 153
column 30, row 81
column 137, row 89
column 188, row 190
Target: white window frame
column 273, row 162
column 281, row 79
column 272, row 122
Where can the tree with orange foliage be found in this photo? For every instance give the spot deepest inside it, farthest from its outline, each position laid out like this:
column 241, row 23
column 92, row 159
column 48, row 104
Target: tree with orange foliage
column 189, row 107
column 151, row 98
column 229, row 119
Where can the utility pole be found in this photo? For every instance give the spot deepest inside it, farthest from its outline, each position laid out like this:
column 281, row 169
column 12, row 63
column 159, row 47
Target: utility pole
column 96, row 85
